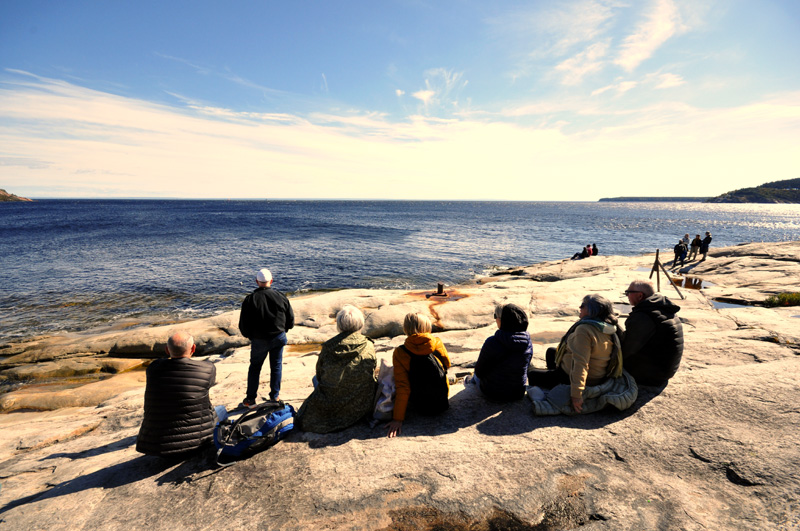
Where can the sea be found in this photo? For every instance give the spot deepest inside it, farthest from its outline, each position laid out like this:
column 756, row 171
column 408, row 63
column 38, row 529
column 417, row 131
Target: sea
column 85, row 264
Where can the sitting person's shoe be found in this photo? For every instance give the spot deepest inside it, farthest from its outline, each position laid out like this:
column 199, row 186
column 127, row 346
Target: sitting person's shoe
column 248, row 403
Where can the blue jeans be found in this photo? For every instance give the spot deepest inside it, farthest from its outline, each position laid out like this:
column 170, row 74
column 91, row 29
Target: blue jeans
column 259, row 349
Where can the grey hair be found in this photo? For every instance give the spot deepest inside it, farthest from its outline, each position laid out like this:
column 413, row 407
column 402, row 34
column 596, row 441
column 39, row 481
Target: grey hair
column 179, row 343
column 645, row 286
column 349, row 319
column 498, row 311
column 600, row 309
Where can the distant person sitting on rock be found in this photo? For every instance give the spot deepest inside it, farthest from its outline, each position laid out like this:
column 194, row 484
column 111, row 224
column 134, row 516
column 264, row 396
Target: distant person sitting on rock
column 594, row 249
column 587, row 355
column 345, row 381
column 706, row 243
column 501, row 372
column 586, row 252
column 420, row 372
column 652, row 344
column 178, row 417
column 696, row 243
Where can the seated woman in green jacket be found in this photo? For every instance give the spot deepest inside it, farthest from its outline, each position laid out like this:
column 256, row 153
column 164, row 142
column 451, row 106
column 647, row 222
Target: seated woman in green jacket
column 345, row 381
column 588, row 353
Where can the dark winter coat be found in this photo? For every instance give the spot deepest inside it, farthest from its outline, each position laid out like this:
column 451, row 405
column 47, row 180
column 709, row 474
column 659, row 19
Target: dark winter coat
column 502, row 366
column 653, row 343
column 265, row 314
column 177, row 410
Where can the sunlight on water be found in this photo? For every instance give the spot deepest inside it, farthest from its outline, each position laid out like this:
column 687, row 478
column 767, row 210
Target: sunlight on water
column 76, row 264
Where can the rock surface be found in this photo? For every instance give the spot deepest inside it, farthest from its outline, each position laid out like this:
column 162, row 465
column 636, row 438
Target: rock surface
column 716, row 449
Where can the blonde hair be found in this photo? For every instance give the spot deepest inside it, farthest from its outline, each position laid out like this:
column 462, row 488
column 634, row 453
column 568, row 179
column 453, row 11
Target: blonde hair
column 417, row 323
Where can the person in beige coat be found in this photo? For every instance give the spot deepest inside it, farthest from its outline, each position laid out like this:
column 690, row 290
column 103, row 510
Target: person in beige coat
column 588, row 353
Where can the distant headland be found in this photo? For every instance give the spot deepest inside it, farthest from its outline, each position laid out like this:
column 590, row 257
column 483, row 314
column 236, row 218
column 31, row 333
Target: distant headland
column 787, row 191
column 5, row 196
column 657, row 199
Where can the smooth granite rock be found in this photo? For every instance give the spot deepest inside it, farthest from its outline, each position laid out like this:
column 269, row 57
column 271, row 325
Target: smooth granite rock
column 716, row 449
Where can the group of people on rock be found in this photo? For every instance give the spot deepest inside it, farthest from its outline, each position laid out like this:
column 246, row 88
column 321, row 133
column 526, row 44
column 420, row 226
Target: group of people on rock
column 178, row 416
column 687, row 250
column 586, row 252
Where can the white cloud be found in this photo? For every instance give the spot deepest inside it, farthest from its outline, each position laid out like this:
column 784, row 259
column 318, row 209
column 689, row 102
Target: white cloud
column 661, row 23
column 324, row 83
column 620, row 88
column 589, row 61
column 69, row 140
column 669, row 81
column 556, row 30
column 441, row 85
column 399, row 92
column 425, row 96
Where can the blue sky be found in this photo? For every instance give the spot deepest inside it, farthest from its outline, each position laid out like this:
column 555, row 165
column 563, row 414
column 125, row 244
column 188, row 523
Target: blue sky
column 555, row 100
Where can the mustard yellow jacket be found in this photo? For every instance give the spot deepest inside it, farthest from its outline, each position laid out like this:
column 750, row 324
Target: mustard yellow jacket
column 420, row 345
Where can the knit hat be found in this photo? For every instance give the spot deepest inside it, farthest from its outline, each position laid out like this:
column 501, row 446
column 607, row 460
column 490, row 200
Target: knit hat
column 264, row 275
column 513, row 319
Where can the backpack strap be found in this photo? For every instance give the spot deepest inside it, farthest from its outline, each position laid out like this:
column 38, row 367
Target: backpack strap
column 244, row 416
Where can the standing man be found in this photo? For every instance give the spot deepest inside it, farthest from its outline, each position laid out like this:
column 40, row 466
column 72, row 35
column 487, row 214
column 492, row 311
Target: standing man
column 266, row 317
column 177, row 410
column 704, row 245
column 653, row 342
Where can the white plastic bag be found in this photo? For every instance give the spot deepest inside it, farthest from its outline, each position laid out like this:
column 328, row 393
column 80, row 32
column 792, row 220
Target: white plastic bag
column 384, row 396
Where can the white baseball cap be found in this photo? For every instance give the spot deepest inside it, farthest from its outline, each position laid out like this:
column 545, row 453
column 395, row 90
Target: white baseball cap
column 264, row 275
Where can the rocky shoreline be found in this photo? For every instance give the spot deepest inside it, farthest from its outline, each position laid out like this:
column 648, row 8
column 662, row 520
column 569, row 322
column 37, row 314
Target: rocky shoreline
column 716, row 449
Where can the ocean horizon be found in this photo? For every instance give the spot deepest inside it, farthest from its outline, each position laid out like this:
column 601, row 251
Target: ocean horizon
column 77, row 264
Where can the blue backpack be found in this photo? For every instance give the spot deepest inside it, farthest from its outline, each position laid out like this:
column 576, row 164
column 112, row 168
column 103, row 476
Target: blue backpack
column 246, row 432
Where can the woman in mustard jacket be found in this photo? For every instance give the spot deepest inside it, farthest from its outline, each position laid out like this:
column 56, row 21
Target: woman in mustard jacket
column 415, row 372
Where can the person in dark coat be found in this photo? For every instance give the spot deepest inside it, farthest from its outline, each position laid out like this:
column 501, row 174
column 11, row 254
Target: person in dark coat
column 652, row 346
column 265, row 318
column 704, row 245
column 501, row 371
column 178, row 417
column 680, row 253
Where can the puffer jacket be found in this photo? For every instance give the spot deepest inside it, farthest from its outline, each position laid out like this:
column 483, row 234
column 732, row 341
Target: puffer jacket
column 502, row 366
column 177, row 410
column 418, row 345
column 652, row 347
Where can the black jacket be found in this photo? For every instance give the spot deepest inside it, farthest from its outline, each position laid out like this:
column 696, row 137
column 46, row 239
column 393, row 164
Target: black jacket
column 652, row 346
column 265, row 314
column 502, row 365
column 177, row 410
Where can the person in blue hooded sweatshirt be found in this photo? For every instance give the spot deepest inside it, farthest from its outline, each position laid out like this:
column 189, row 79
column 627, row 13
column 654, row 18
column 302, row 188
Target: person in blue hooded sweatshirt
column 501, row 372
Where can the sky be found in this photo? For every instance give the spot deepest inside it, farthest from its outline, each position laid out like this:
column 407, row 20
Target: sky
column 398, row 99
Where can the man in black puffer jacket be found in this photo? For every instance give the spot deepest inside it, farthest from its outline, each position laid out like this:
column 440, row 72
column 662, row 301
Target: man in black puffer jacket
column 653, row 343
column 178, row 417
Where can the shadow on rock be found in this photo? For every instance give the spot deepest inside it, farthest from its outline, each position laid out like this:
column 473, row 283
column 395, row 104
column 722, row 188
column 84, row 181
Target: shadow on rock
column 122, row 474
column 107, row 448
column 517, row 417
